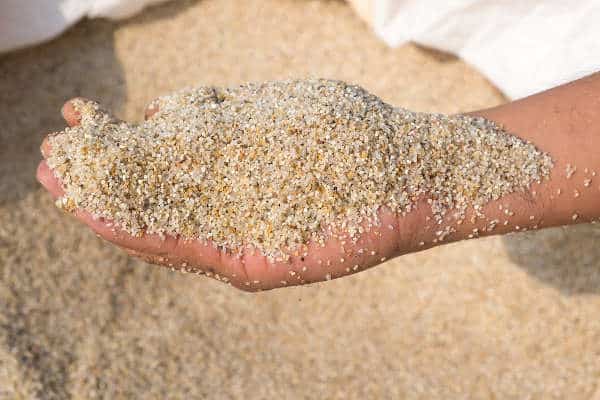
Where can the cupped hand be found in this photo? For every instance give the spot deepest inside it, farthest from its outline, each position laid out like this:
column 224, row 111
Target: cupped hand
column 250, row 270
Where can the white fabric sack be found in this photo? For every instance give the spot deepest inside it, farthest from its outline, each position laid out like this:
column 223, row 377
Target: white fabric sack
column 522, row 46
column 25, row 22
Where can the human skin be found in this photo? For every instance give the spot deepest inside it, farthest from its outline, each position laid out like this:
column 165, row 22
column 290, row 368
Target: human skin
column 563, row 122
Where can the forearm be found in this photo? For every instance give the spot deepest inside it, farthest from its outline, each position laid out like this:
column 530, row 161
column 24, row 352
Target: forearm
column 563, row 122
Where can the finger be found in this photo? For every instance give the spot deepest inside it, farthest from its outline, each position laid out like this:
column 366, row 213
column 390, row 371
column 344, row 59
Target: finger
column 46, row 177
column 146, row 243
column 187, row 255
column 169, row 262
column 151, row 109
column 45, row 147
column 149, row 258
column 70, row 114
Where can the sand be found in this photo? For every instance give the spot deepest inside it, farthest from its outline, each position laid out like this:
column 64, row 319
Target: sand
column 271, row 165
column 493, row 318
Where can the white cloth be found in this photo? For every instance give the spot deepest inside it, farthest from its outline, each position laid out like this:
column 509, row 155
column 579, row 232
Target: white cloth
column 25, row 22
column 522, row 46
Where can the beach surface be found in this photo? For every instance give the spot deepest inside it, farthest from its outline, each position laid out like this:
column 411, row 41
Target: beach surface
column 511, row 317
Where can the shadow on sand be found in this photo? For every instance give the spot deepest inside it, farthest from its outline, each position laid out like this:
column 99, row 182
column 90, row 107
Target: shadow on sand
column 567, row 258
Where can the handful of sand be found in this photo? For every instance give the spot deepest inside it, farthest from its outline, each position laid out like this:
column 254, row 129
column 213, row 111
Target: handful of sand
column 276, row 165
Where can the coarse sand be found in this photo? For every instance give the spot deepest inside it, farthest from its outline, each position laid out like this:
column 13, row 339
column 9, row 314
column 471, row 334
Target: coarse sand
column 509, row 317
column 272, row 165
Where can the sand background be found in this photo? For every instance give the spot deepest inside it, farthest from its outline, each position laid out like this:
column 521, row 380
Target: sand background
column 513, row 317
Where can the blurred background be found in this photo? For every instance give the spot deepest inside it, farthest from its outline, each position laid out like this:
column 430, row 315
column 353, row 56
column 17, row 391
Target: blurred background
column 512, row 317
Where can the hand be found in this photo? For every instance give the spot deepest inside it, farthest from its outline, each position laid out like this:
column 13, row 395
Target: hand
column 253, row 271
column 563, row 122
